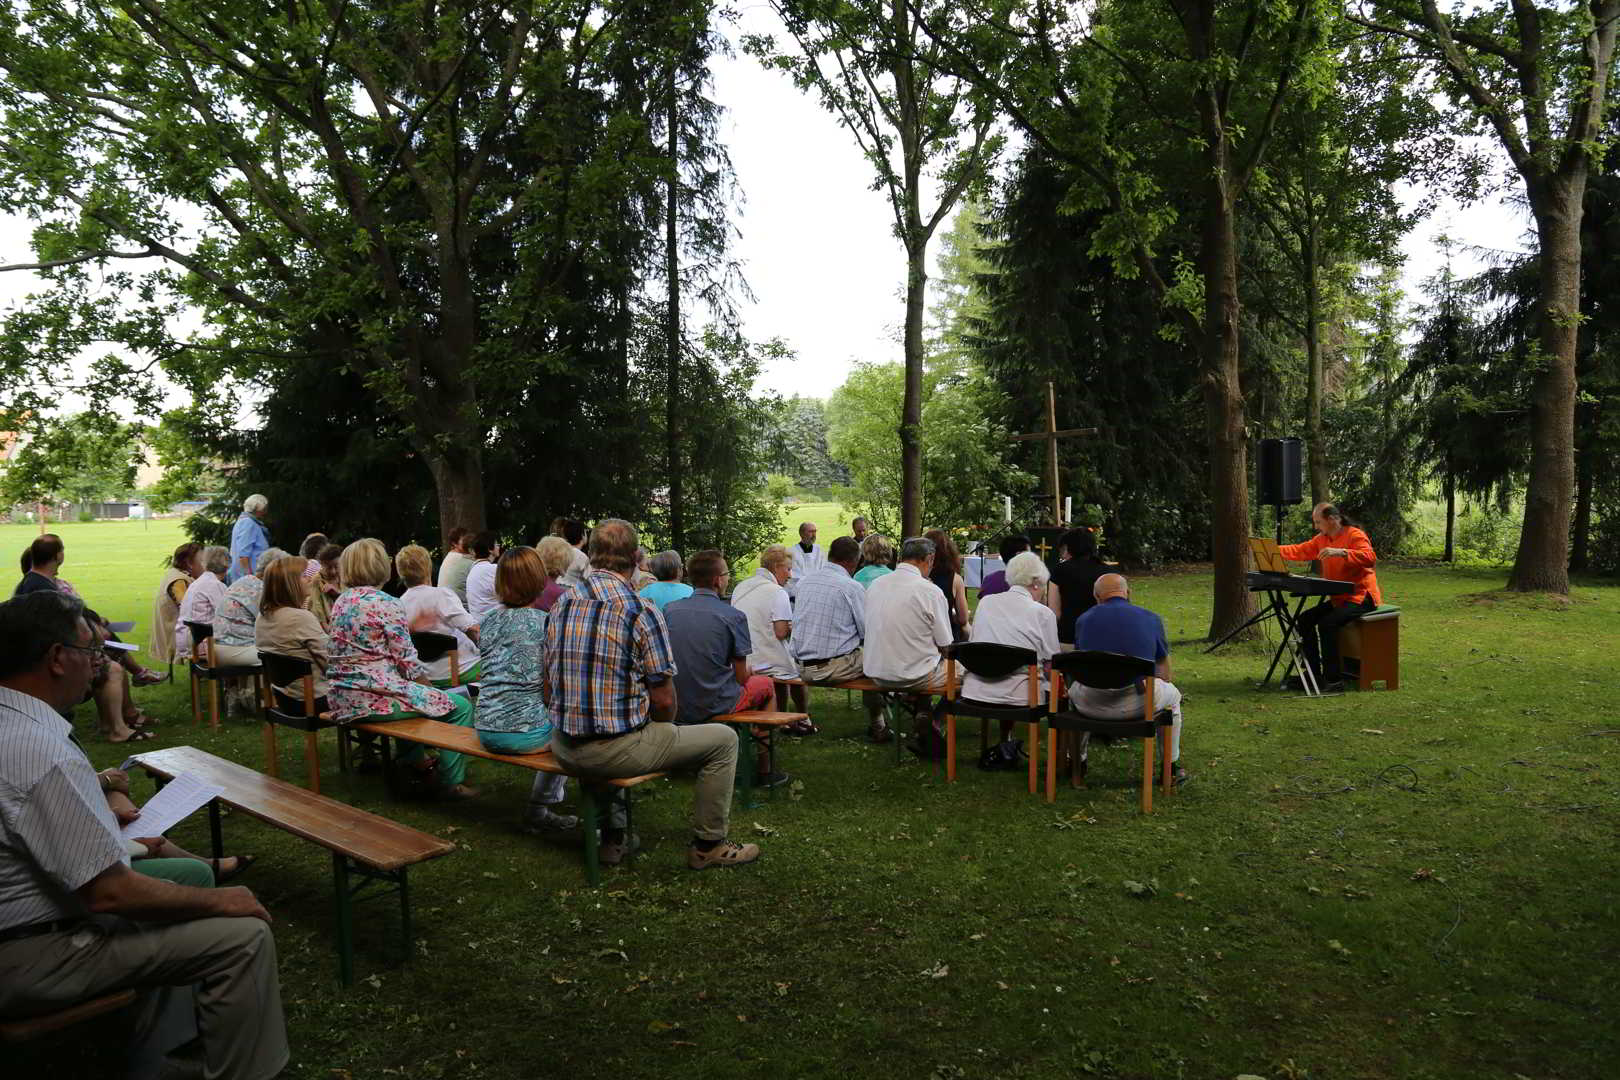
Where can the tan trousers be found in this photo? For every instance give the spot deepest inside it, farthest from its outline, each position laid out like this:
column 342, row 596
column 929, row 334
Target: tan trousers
column 843, row 669
column 213, row 978
column 710, row 750
column 932, row 679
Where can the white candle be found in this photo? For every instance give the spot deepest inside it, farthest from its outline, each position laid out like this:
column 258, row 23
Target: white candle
column 1006, row 509
column 1068, row 509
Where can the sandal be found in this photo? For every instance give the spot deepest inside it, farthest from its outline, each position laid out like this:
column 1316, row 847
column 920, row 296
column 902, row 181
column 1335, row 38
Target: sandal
column 145, row 677
column 140, row 720
column 801, row 728
column 243, row 864
column 136, row 735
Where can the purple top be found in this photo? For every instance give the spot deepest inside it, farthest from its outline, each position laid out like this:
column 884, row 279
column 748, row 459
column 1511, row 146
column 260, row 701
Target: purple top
column 995, row 583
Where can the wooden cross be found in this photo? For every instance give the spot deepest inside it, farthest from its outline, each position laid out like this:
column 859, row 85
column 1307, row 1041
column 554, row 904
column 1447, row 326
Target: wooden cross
column 1043, row 547
column 1052, row 435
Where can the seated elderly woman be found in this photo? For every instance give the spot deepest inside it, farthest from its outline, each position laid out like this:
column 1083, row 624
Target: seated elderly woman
column 182, row 568
column 234, row 641
column 287, row 628
column 666, row 566
column 435, row 609
column 877, row 559
column 204, row 598
column 1017, row 617
column 511, row 717
column 556, row 555
column 374, row 672
column 324, row 587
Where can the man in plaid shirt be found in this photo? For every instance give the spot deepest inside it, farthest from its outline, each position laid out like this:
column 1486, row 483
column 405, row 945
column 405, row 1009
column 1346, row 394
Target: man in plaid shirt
column 608, row 681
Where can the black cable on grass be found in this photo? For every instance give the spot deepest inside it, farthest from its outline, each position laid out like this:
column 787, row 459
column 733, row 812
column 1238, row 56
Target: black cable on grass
column 1383, row 777
column 1456, row 919
column 1317, row 793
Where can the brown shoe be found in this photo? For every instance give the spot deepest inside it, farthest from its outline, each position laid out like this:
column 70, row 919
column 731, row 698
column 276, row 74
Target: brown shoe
column 725, row 853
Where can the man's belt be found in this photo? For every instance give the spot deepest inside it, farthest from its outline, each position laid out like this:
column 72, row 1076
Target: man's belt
column 55, row 926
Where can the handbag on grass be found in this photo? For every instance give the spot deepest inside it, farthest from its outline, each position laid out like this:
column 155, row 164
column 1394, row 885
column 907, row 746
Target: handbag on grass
column 1004, row 756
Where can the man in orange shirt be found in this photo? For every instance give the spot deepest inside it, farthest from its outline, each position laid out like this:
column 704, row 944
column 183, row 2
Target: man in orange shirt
column 1346, row 555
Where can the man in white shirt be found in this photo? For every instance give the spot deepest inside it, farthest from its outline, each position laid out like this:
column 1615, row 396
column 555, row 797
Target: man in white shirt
column 770, row 623
column 1017, row 617
column 907, row 626
column 807, row 558
column 486, row 549
column 75, row 921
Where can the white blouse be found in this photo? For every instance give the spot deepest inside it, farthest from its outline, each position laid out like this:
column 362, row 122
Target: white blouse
column 438, row 610
column 204, row 599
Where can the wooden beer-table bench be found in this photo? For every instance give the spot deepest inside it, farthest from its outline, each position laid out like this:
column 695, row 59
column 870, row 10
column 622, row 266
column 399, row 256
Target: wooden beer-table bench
column 370, row 855
column 891, row 699
column 464, row 740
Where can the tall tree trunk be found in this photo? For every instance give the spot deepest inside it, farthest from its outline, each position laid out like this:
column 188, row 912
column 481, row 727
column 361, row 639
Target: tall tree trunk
column 1542, row 563
column 1451, row 515
column 1223, row 410
column 672, row 329
column 1314, row 376
column 458, row 476
column 911, row 456
column 1581, row 541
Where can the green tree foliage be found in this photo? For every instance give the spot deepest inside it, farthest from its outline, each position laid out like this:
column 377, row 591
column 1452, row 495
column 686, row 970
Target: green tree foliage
column 1535, row 77
column 82, row 458
column 421, row 195
column 965, row 473
column 796, row 444
column 1054, row 310
column 925, row 134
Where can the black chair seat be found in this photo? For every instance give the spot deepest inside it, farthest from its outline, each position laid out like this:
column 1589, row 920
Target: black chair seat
column 1023, row 714
column 431, row 646
column 1073, row 720
column 222, row 672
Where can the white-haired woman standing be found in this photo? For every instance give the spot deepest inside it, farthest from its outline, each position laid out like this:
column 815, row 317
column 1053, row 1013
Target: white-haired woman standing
column 1017, row 617
column 249, row 538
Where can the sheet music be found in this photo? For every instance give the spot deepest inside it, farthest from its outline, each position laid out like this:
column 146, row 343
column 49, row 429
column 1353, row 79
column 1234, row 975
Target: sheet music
column 174, row 802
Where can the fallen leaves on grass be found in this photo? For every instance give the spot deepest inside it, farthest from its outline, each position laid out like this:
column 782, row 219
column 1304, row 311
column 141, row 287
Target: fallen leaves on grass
column 938, row 971
column 1142, row 890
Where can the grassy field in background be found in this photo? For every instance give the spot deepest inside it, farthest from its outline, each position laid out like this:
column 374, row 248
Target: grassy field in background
column 1412, row 884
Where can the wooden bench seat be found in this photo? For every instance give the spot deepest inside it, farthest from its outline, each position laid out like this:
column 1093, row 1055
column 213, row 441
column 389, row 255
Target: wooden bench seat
column 464, row 740
column 757, row 718
column 28, row 1028
column 372, row 849
column 1370, row 648
column 867, row 686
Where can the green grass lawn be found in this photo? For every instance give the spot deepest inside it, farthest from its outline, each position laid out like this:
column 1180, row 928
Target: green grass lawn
column 1416, row 884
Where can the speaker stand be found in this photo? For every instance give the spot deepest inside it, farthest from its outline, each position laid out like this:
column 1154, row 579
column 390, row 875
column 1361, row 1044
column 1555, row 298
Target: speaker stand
column 1279, row 509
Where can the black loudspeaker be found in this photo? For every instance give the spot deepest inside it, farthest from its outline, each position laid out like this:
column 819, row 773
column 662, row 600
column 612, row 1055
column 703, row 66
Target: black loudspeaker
column 1280, row 461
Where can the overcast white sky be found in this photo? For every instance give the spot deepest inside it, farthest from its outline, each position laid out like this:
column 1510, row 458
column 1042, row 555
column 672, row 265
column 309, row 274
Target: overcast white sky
column 817, row 242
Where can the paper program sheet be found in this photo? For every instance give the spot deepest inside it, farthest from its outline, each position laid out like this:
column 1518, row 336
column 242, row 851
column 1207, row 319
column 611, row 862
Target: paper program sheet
column 176, row 801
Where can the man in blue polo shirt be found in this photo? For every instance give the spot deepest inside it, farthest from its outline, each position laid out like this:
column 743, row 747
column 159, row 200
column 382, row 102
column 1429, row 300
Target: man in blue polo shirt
column 1118, row 626
column 711, row 644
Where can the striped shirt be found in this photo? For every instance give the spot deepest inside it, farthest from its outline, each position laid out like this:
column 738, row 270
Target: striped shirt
column 56, row 832
column 604, row 644
column 829, row 615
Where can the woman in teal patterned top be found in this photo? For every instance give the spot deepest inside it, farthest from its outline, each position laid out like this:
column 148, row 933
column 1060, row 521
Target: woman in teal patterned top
column 511, row 717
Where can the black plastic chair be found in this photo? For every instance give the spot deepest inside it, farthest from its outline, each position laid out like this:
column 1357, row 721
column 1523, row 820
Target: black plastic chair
column 205, row 667
column 432, row 646
column 303, row 713
column 1110, row 671
column 988, row 660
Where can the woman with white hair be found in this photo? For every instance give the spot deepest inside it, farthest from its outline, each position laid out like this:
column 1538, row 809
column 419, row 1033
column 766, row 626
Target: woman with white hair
column 249, row 538
column 1017, row 617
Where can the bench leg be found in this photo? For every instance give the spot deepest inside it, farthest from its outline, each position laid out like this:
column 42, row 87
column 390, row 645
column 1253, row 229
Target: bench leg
column 404, row 915
column 196, row 702
column 1034, row 755
column 747, row 765
column 950, row 748
column 591, row 825
column 312, row 763
column 216, row 833
column 345, row 919
column 213, row 703
column 1051, row 763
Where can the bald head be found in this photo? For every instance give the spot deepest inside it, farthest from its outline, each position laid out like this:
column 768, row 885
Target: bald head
column 1109, row 586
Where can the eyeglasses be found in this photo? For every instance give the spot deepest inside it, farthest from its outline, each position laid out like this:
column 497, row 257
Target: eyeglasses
column 95, row 651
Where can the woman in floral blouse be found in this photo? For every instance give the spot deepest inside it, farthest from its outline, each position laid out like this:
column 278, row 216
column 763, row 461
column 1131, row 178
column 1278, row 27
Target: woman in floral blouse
column 373, row 670
column 511, row 718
